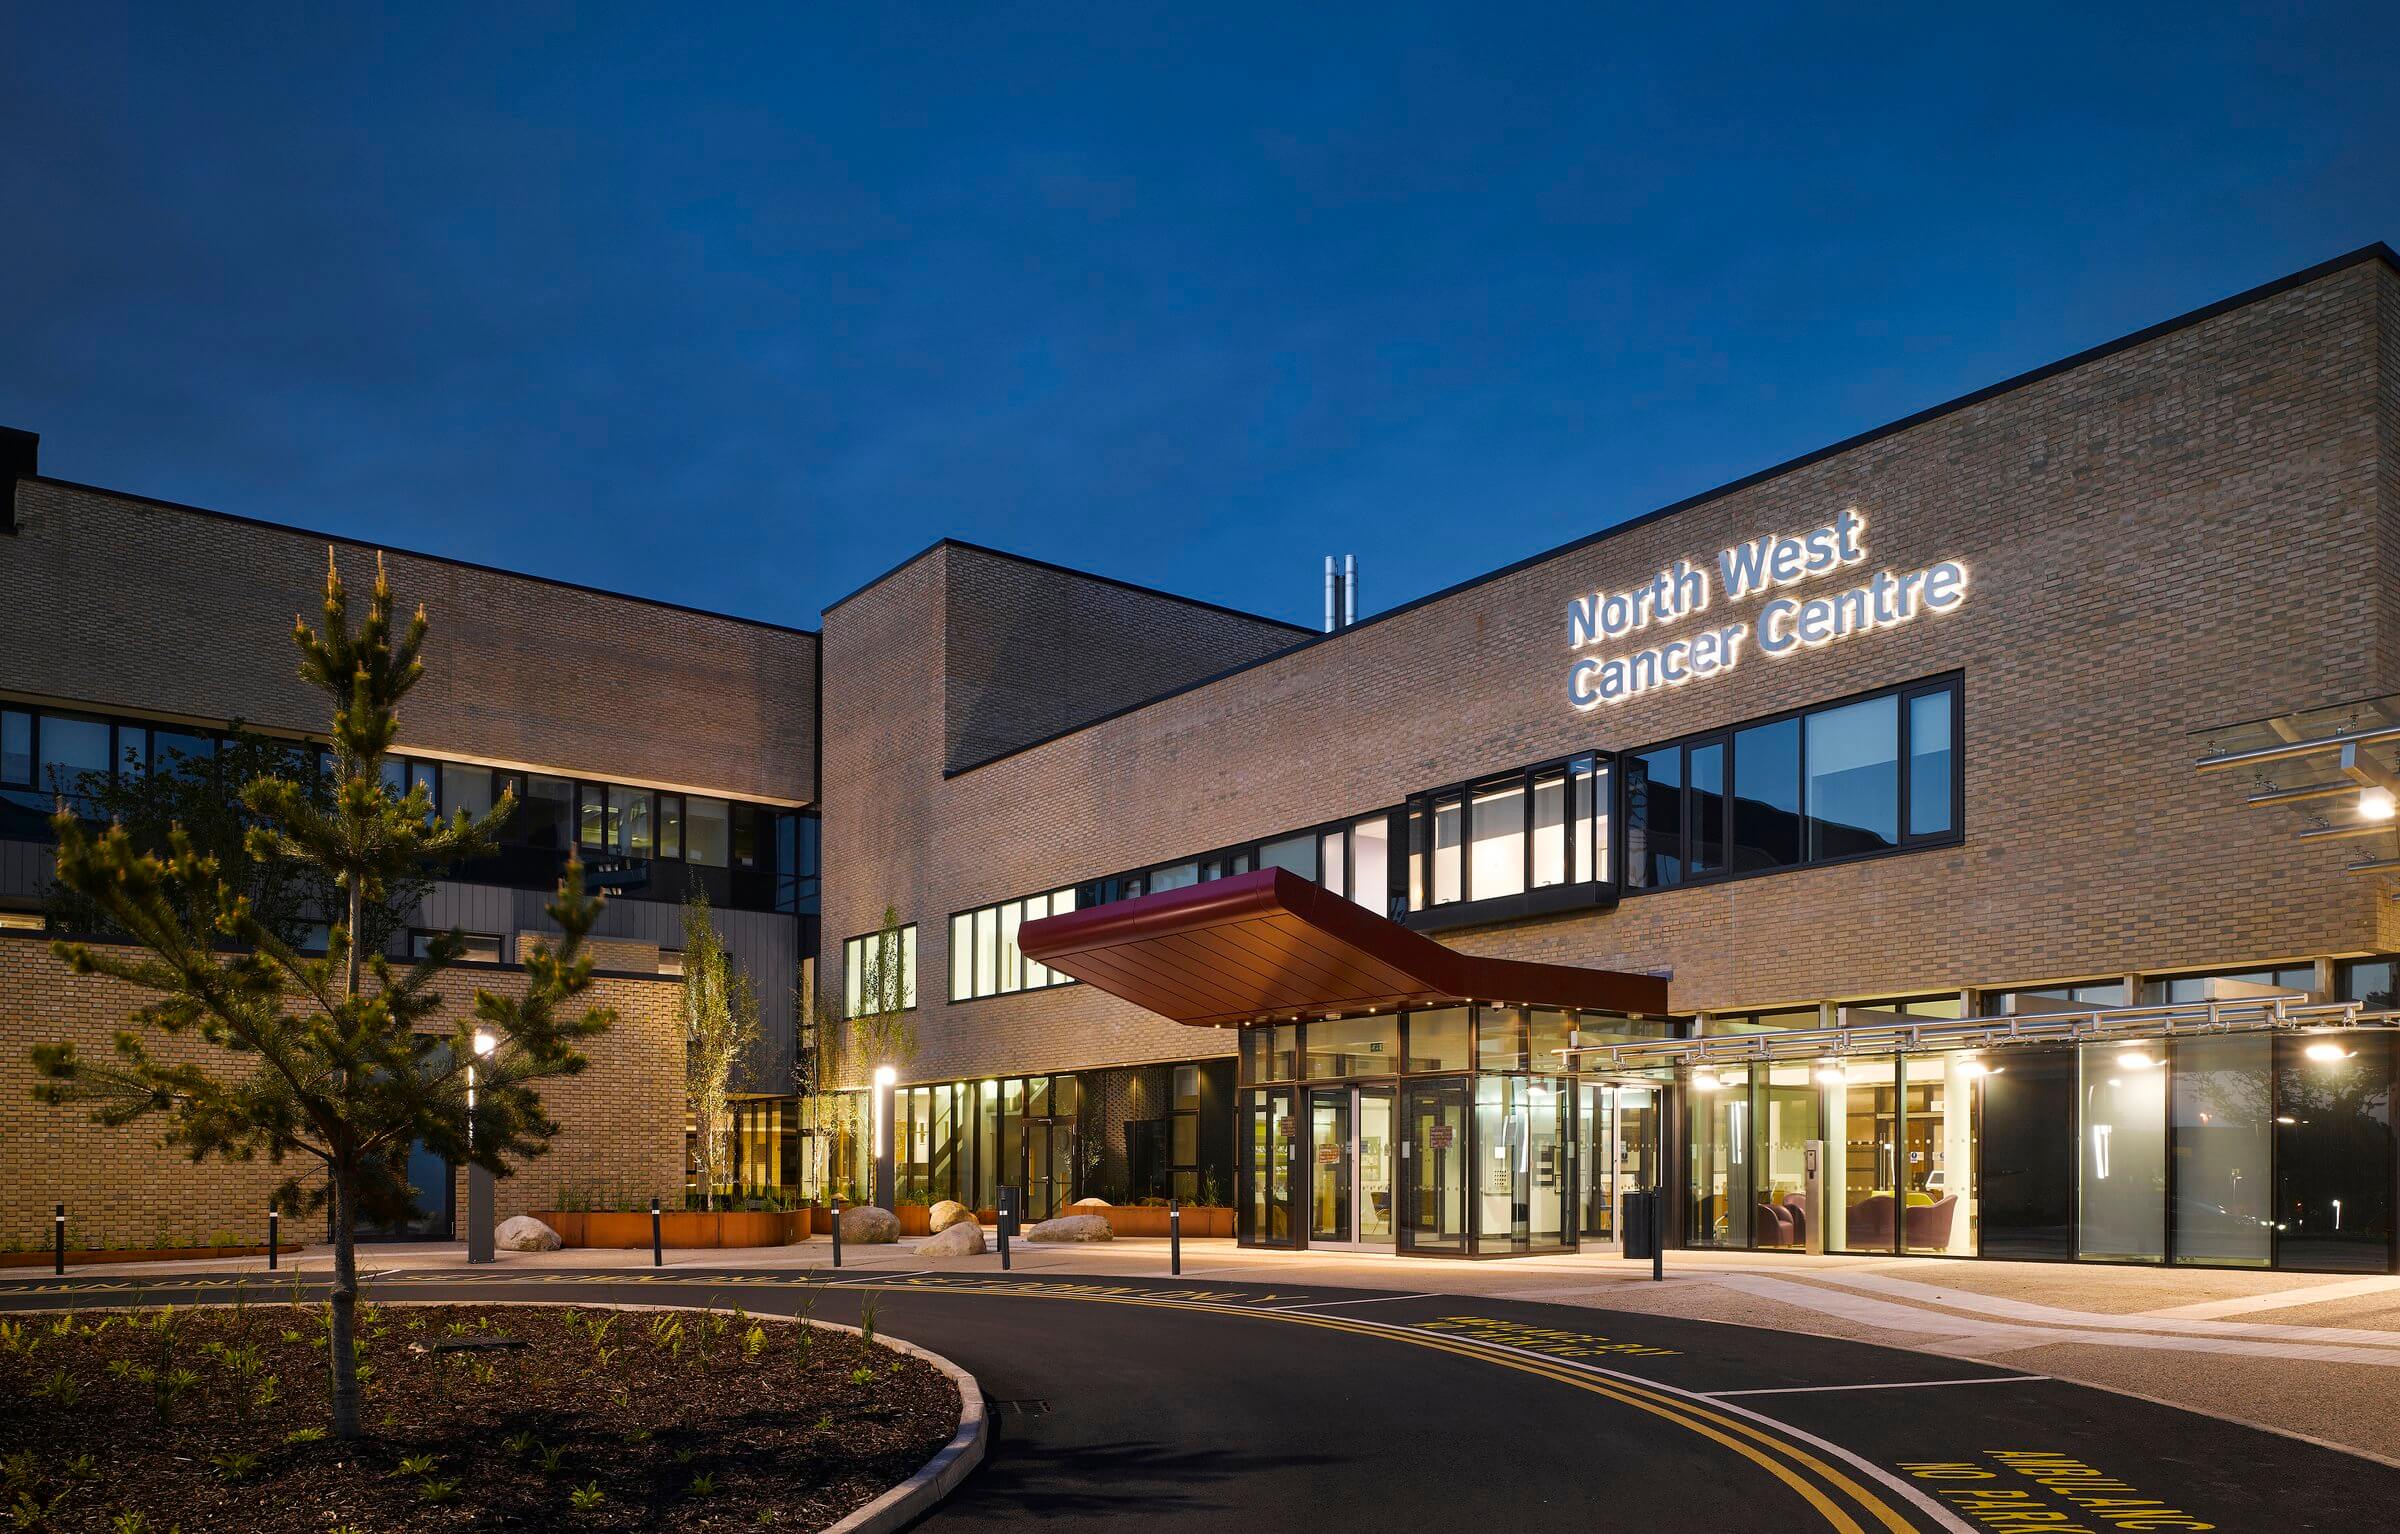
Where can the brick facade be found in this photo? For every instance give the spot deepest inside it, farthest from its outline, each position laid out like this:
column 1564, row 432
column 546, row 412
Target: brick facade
column 2196, row 528
column 116, row 602
column 622, row 1119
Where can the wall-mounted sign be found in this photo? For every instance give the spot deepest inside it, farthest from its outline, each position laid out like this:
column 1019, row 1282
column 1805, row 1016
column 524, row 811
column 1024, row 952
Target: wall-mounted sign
column 1784, row 625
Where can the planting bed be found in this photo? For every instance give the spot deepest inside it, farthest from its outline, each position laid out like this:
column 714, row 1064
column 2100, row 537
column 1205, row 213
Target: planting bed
column 604, row 1420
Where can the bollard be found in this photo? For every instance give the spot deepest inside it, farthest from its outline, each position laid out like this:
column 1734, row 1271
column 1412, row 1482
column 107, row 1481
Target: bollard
column 658, row 1256
column 58, row 1241
column 1007, row 1219
column 1174, row 1236
column 1658, row 1235
column 837, row 1230
column 272, row 1217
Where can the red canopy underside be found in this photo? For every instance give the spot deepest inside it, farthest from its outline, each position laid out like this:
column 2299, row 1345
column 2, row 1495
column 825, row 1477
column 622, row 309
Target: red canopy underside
column 1271, row 944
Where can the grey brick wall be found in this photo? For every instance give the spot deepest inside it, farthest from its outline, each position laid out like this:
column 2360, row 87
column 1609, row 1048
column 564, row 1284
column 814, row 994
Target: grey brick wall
column 1030, row 650
column 119, row 602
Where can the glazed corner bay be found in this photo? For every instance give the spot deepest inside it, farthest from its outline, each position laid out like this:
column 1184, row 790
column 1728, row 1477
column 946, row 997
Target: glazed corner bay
column 1783, row 625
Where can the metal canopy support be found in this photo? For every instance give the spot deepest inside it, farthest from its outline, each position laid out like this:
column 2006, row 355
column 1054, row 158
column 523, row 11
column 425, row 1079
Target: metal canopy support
column 1867, row 1032
column 2359, row 740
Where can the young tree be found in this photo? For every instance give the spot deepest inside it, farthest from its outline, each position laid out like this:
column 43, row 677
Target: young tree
column 720, row 1024
column 331, row 1059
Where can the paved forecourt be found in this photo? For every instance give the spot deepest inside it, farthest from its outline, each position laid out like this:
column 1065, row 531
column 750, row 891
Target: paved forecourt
column 1190, row 1403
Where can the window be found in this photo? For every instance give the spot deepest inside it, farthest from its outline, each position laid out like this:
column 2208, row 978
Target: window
column 1853, row 779
column 1766, row 797
column 466, row 788
column 16, row 749
column 1844, row 780
column 1370, row 863
column 877, row 980
column 70, row 748
column 1654, row 819
column 670, row 825
column 1297, row 853
column 1504, row 836
column 546, row 819
column 2182, row 990
column 985, row 959
column 481, row 947
column 705, row 831
column 1354, row 1046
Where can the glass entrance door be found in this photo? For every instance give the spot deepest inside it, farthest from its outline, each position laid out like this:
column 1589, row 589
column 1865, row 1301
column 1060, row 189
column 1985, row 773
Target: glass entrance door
column 1332, row 1165
column 1269, row 1145
column 1049, row 1166
column 1433, row 1166
column 1375, row 1158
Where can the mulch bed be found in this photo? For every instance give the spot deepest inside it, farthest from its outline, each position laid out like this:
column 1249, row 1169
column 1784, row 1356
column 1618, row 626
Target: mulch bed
column 659, row 1419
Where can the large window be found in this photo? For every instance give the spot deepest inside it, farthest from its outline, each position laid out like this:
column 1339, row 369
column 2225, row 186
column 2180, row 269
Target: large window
column 1529, row 830
column 878, row 977
column 1844, row 780
column 985, row 959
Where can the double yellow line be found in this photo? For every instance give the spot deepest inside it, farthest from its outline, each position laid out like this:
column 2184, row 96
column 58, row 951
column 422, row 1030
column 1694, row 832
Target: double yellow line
column 1835, row 1495
column 1826, row 1493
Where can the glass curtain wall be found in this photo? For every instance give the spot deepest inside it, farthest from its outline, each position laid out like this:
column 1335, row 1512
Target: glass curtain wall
column 1862, row 1171
column 2121, row 1175
column 1789, row 1115
column 2333, row 1152
column 2222, row 1111
column 1719, row 1197
column 1937, row 1169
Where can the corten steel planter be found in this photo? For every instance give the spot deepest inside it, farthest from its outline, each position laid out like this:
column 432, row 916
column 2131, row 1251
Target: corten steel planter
column 1151, row 1220
column 915, row 1219
column 682, row 1228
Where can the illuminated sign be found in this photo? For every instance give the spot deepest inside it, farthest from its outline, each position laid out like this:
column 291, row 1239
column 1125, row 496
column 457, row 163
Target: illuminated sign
column 1784, row 626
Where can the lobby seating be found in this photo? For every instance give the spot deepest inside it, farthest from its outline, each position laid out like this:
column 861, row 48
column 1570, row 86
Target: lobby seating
column 1868, row 1227
column 1771, row 1225
column 1799, row 1217
column 1928, row 1225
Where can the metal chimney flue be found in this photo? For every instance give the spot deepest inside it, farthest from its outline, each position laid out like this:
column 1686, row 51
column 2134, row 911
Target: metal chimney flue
column 1341, row 592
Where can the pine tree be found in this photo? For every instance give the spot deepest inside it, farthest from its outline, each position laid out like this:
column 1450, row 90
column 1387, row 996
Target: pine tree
column 341, row 1059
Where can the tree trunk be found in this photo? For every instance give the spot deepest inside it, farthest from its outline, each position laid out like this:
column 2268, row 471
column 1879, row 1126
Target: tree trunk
column 345, row 1308
column 344, row 1328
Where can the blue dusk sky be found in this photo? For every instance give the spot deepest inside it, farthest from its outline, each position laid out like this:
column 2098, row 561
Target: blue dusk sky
column 740, row 307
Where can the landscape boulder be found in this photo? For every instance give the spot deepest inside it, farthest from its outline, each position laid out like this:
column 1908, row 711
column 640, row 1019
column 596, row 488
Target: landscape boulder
column 1071, row 1227
column 946, row 1214
column 961, row 1239
column 866, row 1224
column 526, row 1234
column 1091, row 1203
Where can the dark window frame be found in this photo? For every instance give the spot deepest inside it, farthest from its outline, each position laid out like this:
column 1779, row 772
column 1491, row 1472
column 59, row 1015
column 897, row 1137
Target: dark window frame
column 1953, row 683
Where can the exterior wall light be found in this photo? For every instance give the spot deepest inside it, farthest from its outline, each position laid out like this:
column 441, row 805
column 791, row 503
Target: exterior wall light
column 2376, row 804
column 2135, row 1060
column 1830, row 1073
column 2327, row 1054
column 1704, row 1081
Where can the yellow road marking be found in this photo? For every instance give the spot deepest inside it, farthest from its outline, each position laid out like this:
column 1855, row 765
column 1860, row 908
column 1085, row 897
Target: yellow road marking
column 1728, row 1432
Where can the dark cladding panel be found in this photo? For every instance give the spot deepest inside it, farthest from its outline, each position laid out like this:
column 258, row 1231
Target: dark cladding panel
column 2028, row 1187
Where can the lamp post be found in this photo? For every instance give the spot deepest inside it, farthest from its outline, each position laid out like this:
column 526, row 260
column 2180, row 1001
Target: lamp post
column 479, row 1181
column 884, row 1077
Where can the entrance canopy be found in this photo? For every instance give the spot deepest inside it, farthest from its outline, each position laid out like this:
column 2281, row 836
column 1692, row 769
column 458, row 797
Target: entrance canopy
column 1270, row 944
